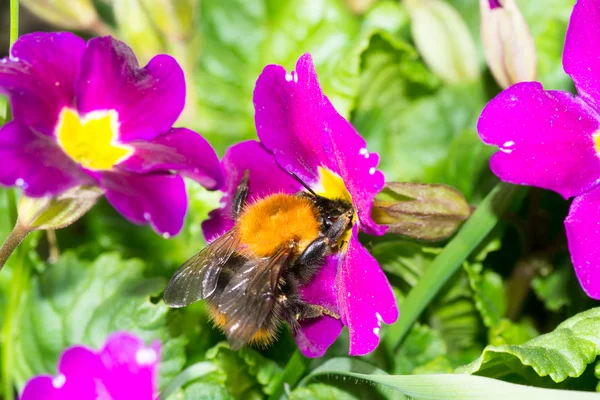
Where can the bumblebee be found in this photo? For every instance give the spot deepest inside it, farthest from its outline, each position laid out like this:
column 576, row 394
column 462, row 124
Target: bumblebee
column 251, row 274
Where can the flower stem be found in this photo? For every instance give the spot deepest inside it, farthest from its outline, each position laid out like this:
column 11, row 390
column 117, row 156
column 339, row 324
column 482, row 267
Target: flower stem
column 13, row 240
column 472, row 233
column 18, row 285
column 14, row 21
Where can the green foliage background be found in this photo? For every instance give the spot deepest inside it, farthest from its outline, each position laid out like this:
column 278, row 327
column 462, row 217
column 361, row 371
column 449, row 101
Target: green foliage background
column 513, row 311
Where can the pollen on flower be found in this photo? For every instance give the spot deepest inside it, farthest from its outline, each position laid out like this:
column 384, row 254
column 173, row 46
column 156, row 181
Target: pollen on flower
column 91, row 140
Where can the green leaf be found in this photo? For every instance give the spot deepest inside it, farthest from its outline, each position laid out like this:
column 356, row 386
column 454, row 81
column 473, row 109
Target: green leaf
column 450, row 259
column 320, row 391
column 241, row 37
column 245, row 373
column 488, row 293
column 442, row 386
column 560, row 354
column 553, row 288
column 512, row 333
column 464, row 165
column 76, row 302
column 422, row 345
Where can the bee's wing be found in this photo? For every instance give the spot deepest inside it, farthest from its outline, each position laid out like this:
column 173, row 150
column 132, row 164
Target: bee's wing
column 197, row 278
column 250, row 295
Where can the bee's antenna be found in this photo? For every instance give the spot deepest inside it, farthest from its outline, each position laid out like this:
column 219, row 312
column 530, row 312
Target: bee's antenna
column 296, row 177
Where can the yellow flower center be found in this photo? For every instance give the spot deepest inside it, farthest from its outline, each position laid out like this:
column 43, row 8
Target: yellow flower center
column 91, row 140
column 596, row 137
column 331, row 186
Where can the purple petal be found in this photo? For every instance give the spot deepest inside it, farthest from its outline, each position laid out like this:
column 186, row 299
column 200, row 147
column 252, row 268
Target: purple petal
column 41, row 388
column 265, row 177
column 35, row 163
column 583, row 233
column 494, row 4
column 580, row 56
column 321, row 290
column 158, row 199
column 365, row 297
column 131, row 367
column 545, row 138
column 148, row 100
column 124, row 369
column 39, row 77
column 180, row 150
column 315, row 336
column 296, row 121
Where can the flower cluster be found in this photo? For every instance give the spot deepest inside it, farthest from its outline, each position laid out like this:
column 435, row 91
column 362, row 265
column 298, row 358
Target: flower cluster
column 551, row 139
column 85, row 114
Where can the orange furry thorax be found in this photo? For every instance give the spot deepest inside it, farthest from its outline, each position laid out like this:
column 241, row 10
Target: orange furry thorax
column 275, row 220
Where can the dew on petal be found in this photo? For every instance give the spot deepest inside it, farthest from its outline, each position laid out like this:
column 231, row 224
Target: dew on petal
column 59, row 381
column 146, row 356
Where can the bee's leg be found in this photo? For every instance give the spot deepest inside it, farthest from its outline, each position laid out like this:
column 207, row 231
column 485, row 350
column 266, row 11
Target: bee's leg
column 240, row 196
column 309, row 311
column 311, row 259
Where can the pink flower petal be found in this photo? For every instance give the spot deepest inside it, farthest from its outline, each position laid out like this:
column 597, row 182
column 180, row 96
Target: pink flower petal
column 583, row 233
column 365, row 297
column 296, row 121
column 158, row 199
column 148, row 100
column 545, row 139
column 39, row 77
column 265, row 177
column 180, row 150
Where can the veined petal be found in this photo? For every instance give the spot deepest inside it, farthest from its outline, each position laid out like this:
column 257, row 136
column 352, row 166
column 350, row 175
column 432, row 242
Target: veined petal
column 546, row 139
column 148, row 100
column 39, row 77
column 583, row 234
column 180, row 150
column 157, row 199
column 580, row 55
column 265, row 177
column 316, row 335
column 35, row 163
column 297, row 122
column 365, row 297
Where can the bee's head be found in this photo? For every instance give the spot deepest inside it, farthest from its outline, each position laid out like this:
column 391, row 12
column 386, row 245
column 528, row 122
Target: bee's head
column 331, row 210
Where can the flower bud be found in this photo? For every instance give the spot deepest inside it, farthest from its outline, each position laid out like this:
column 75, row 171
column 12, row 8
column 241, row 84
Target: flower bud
column 57, row 212
column 507, row 43
column 420, row 211
column 443, row 40
column 70, row 14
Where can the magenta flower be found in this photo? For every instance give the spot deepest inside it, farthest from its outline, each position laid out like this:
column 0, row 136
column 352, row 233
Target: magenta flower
column 301, row 132
column 551, row 139
column 125, row 368
column 87, row 114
